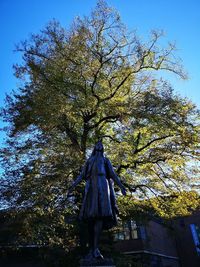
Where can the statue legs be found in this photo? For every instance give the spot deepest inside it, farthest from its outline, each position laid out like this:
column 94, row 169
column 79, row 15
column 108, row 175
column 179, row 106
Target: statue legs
column 97, row 232
column 94, row 229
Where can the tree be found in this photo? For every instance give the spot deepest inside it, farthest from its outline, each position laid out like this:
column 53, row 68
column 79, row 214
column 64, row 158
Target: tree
column 95, row 80
column 169, row 207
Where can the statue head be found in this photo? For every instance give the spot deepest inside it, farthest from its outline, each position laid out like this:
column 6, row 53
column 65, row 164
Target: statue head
column 98, row 148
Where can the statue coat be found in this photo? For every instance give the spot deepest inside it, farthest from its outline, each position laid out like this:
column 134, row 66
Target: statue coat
column 99, row 201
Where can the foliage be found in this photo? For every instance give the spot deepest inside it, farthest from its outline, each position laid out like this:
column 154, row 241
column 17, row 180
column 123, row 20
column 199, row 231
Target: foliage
column 28, row 226
column 177, row 204
column 94, row 80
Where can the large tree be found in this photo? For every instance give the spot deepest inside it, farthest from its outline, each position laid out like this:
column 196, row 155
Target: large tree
column 94, row 80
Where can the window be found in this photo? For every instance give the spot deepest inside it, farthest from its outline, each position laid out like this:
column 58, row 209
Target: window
column 126, row 231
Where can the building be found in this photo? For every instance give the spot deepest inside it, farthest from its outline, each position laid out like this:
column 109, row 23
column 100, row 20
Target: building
column 187, row 230
column 157, row 244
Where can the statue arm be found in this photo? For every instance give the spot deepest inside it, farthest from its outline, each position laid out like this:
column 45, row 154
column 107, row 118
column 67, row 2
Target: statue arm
column 78, row 179
column 76, row 182
column 113, row 175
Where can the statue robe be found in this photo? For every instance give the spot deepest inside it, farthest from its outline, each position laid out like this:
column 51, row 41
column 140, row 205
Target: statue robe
column 99, row 200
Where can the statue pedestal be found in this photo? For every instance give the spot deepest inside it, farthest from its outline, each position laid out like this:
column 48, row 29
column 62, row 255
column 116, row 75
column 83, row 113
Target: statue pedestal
column 97, row 263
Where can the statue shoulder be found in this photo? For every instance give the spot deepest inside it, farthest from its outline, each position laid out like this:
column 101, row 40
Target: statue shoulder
column 107, row 163
column 90, row 160
column 106, row 159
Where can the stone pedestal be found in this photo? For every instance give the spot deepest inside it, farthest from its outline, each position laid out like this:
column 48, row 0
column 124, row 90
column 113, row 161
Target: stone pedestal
column 97, row 263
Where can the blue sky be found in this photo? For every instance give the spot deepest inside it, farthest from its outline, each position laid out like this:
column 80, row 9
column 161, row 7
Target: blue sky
column 180, row 20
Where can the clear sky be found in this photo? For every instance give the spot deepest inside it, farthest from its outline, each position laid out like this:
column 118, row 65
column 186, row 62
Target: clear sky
column 180, row 20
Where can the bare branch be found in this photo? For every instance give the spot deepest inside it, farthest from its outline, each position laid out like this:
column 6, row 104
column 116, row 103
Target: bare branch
column 116, row 89
column 110, row 118
column 111, row 138
column 137, row 150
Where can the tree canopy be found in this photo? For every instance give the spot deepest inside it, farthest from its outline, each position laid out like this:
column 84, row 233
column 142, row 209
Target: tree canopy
column 96, row 80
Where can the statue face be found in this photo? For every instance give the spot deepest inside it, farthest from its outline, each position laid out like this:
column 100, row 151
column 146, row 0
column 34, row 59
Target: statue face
column 99, row 146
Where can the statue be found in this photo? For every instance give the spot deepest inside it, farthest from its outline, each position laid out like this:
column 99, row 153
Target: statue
column 99, row 207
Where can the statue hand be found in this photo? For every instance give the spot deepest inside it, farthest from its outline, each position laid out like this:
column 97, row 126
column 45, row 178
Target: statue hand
column 123, row 190
column 70, row 190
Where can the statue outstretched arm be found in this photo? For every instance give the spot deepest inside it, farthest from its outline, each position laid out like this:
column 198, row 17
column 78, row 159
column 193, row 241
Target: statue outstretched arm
column 78, row 179
column 114, row 176
column 76, row 182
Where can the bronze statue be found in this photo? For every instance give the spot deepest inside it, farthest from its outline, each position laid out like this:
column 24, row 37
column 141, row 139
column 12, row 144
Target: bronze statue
column 99, row 203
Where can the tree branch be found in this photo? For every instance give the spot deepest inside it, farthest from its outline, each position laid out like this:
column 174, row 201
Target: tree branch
column 137, row 150
column 107, row 118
